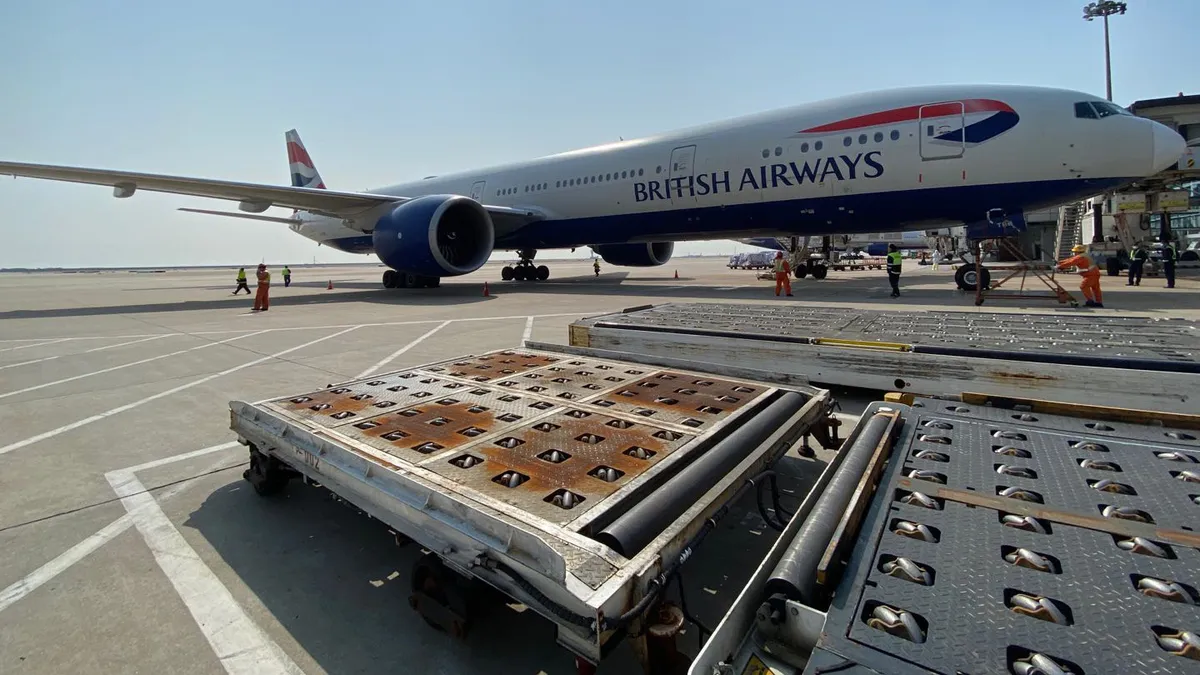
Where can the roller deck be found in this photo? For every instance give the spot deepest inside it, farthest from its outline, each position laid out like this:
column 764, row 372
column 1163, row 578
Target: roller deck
column 985, row 536
column 513, row 466
column 1133, row 362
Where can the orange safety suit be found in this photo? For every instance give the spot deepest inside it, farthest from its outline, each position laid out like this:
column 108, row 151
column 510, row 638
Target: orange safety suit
column 1089, row 272
column 782, row 271
column 261, row 300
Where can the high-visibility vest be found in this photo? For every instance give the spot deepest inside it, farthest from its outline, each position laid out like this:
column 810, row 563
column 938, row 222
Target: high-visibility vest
column 893, row 261
column 779, row 265
column 266, row 278
column 241, row 275
column 1169, row 254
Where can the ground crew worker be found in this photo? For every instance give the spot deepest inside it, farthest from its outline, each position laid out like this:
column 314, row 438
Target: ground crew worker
column 596, row 266
column 241, row 282
column 261, row 299
column 1089, row 272
column 894, row 261
column 1137, row 262
column 782, row 271
column 1169, row 256
column 287, row 276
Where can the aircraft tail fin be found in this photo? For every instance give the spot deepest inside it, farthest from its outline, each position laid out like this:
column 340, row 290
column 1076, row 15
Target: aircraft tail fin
column 304, row 172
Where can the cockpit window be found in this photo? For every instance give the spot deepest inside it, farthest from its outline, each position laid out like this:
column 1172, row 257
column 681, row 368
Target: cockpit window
column 1096, row 109
column 1104, row 109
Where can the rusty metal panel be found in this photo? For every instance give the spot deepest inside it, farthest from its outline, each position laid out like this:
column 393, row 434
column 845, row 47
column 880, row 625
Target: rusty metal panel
column 487, row 367
column 571, row 381
column 697, row 402
column 562, row 465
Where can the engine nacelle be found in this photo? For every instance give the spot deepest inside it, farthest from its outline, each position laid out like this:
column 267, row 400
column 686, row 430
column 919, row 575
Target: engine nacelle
column 636, row 255
column 435, row 235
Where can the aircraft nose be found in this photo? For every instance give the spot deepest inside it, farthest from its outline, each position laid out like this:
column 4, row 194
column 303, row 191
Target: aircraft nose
column 1168, row 147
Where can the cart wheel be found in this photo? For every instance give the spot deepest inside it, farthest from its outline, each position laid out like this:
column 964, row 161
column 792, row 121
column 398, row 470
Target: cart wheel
column 1074, row 303
column 437, row 597
column 265, row 473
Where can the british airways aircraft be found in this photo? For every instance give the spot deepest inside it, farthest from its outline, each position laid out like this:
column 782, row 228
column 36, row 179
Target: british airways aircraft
column 904, row 159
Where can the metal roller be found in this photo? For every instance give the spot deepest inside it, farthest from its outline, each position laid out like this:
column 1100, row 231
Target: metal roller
column 638, row 526
column 796, row 574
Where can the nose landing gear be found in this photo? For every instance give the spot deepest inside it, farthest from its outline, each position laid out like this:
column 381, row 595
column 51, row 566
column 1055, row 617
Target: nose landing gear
column 525, row 270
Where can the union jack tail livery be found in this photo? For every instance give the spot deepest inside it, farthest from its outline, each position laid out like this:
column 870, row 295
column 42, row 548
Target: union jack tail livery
column 304, row 173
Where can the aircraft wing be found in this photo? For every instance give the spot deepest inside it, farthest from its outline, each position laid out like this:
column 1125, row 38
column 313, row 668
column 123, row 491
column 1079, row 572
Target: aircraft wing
column 254, row 197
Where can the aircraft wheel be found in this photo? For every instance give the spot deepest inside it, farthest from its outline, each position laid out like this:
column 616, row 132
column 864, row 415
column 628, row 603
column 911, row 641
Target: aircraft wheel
column 819, row 272
column 507, row 273
column 409, row 280
column 390, row 278
column 966, row 279
column 434, row 282
column 801, row 271
column 543, row 273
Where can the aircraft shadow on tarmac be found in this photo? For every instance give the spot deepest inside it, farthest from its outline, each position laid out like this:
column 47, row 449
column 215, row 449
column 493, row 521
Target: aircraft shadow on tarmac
column 339, row 585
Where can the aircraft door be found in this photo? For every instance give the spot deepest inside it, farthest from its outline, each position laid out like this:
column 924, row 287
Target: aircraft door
column 477, row 190
column 682, row 167
column 941, row 130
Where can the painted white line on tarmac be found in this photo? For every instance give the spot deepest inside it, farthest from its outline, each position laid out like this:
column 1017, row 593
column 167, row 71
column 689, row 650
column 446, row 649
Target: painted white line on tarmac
column 47, row 572
column 125, row 365
column 238, row 642
column 392, row 357
column 36, row 344
column 174, row 390
column 528, row 330
column 27, row 363
column 131, row 342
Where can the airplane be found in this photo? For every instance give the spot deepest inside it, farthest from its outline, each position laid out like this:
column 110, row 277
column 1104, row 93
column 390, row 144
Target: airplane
column 914, row 158
column 874, row 243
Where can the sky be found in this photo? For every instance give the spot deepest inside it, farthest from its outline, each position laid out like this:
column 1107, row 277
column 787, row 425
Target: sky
column 386, row 91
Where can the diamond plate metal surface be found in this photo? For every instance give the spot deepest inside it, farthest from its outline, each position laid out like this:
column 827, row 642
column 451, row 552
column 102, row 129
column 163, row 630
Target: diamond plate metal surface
column 553, row 436
column 976, row 566
column 1118, row 337
column 587, row 455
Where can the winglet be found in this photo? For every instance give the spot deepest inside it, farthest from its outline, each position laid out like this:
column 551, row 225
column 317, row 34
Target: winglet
column 304, row 172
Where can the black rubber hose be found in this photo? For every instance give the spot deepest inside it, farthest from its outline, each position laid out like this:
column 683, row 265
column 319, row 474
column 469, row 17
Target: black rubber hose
column 795, row 575
column 644, row 521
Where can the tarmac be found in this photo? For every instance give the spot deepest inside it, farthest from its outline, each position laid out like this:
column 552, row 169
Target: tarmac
column 130, row 543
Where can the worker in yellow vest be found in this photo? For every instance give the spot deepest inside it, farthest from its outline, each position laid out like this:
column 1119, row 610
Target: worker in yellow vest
column 261, row 300
column 782, row 271
column 894, row 261
column 241, row 282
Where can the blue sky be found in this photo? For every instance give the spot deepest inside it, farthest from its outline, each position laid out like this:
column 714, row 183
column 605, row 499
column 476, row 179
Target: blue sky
column 387, row 91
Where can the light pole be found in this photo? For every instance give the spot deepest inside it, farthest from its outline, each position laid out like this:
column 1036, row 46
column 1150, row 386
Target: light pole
column 1104, row 8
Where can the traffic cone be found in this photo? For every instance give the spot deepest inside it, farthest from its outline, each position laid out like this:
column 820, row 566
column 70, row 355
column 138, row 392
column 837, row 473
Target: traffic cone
column 676, row 274
column 330, row 286
column 485, row 289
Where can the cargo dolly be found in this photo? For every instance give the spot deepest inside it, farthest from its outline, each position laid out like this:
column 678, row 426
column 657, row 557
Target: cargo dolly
column 574, row 484
column 1136, row 362
column 984, row 536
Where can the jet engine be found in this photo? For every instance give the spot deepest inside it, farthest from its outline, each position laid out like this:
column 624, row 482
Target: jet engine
column 435, row 236
column 636, row 255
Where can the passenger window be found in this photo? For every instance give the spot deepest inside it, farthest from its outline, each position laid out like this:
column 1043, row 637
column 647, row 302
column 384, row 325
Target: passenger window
column 658, row 169
column 818, row 145
column 804, row 147
column 766, row 153
column 847, row 141
column 641, row 171
column 895, row 135
column 622, row 174
column 778, row 151
column 878, row 136
column 862, row 139
column 1084, row 110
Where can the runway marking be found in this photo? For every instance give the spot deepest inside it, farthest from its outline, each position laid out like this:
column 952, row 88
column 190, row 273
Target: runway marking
column 292, row 328
column 391, row 357
column 37, row 578
column 729, row 288
column 125, row 365
column 131, row 342
column 26, row 363
column 97, row 349
column 238, row 642
column 174, row 390
column 36, row 344
column 528, row 330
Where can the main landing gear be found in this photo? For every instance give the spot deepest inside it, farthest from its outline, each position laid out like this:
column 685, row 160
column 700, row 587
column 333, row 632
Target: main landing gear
column 525, row 270
column 398, row 279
